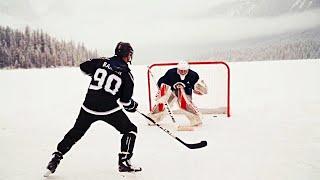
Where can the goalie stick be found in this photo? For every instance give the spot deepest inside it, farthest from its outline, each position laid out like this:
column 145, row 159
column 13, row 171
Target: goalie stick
column 188, row 145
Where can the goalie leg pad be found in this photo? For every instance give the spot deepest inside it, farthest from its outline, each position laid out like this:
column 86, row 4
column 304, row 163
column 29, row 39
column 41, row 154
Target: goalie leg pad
column 195, row 119
column 185, row 128
column 158, row 113
column 159, row 107
column 186, row 103
column 188, row 108
column 162, row 96
column 157, row 117
column 183, row 100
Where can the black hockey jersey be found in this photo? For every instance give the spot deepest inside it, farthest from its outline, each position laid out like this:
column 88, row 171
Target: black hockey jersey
column 172, row 77
column 111, row 80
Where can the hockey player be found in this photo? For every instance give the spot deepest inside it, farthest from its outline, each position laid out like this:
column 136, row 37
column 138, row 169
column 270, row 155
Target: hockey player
column 111, row 80
column 177, row 85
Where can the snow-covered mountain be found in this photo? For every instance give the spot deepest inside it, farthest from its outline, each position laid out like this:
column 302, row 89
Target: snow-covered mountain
column 257, row 8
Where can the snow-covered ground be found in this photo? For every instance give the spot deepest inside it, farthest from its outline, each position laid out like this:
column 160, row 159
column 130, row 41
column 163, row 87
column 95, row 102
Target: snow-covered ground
column 273, row 134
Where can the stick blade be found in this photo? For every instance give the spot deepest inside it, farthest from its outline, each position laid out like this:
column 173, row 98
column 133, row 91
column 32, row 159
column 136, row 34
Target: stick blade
column 195, row 145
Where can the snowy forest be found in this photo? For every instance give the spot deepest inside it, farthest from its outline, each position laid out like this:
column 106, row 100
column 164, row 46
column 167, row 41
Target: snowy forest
column 36, row 49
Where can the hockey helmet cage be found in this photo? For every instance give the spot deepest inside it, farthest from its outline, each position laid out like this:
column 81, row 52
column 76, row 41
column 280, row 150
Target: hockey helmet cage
column 183, row 65
column 183, row 69
column 123, row 49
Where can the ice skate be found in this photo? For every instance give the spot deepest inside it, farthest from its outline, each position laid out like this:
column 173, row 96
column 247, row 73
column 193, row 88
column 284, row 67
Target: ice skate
column 125, row 164
column 53, row 164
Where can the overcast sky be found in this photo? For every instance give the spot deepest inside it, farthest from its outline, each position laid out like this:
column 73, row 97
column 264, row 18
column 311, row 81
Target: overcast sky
column 158, row 29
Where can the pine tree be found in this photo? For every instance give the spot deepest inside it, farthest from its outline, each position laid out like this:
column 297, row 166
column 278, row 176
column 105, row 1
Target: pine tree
column 36, row 49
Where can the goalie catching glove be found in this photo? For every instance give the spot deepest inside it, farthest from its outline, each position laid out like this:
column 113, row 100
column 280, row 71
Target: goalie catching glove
column 200, row 88
column 131, row 106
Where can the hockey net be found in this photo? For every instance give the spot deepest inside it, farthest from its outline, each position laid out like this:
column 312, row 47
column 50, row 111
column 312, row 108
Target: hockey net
column 216, row 75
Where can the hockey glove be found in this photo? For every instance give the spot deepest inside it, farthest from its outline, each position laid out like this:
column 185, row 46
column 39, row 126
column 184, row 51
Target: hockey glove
column 132, row 107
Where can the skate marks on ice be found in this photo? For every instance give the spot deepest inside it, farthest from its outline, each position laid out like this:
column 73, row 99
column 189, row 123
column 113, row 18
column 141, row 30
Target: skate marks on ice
column 108, row 174
column 51, row 176
column 115, row 176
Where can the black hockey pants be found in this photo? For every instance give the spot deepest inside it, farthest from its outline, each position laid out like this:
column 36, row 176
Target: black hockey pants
column 119, row 120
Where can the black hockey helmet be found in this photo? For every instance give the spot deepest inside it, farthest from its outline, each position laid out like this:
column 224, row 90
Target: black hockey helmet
column 123, row 49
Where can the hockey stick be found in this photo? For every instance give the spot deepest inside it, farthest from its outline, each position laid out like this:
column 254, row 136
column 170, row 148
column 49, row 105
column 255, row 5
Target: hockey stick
column 166, row 103
column 188, row 145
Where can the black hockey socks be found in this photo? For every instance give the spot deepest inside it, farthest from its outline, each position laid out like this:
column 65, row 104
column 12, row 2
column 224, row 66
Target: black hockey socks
column 127, row 142
column 127, row 145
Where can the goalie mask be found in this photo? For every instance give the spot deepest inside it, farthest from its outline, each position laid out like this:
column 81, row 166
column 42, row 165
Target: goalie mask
column 183, row 69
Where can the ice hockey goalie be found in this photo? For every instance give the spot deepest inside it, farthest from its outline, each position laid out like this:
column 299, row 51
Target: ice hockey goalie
column 176, row 87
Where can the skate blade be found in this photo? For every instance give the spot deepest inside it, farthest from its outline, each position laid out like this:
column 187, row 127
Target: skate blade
column 47, row 174
column 130, row 175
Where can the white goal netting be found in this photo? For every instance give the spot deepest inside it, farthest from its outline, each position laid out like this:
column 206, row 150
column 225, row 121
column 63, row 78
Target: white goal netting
column 216, row 75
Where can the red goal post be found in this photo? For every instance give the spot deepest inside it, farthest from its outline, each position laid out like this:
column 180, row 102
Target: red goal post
column 209, row 68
